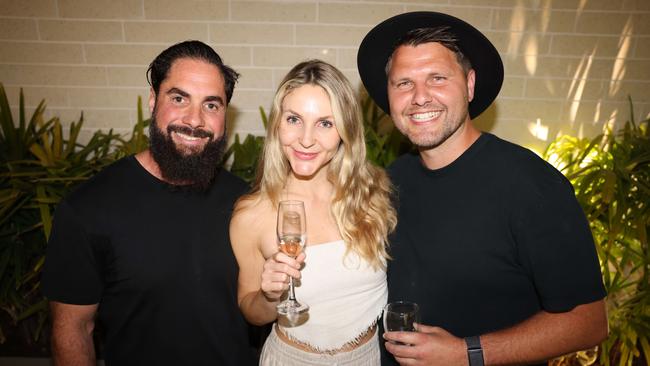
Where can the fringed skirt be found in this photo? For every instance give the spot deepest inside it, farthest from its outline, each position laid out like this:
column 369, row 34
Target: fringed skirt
column 278, row 353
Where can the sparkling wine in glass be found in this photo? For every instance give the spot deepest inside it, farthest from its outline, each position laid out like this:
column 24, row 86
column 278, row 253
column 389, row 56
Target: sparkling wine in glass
column 291, row 240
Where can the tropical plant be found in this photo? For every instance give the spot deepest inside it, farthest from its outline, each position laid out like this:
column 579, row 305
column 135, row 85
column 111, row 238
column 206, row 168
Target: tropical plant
column 384, row 143
column 246, row 154
column 40, row 164
column 138, row 140
column 611, row 178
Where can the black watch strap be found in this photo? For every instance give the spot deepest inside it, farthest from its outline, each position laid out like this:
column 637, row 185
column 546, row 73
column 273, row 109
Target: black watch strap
column 474, row 351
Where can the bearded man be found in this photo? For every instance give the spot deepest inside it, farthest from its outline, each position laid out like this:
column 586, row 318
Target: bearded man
column 143, row 246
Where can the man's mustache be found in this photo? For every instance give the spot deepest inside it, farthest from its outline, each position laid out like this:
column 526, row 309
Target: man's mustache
column 189, row 131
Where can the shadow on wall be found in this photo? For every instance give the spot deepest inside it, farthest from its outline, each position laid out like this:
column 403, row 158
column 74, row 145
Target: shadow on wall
column 487, row 120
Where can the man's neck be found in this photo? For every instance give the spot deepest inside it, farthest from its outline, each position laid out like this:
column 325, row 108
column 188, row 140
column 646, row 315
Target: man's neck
column 452, row 148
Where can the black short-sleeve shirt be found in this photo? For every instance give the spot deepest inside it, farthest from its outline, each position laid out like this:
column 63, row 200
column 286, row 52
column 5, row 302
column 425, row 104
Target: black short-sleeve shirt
column 158, row 261
column 489, row 240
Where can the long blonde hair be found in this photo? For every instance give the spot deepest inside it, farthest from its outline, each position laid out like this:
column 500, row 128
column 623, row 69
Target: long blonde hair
column 361, row 204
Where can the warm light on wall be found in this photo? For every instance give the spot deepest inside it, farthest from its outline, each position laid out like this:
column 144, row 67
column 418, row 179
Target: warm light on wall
column 538, row 130
column 517, row 27
column 618, row 70
column 531, row 56
column 578, row 85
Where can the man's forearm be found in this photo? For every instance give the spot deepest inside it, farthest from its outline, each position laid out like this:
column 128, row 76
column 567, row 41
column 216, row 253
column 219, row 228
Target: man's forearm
column 547, row 335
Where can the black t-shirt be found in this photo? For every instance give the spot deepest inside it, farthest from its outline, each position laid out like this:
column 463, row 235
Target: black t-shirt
column 489, row 240
column 158, row 261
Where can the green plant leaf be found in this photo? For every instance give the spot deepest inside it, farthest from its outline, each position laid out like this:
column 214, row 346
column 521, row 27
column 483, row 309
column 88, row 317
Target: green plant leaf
column 265, row 120
column 44, row 209
column 21, row 115
column 9, row 137
column 39, row 306
column 40, row 153
column 57, row 140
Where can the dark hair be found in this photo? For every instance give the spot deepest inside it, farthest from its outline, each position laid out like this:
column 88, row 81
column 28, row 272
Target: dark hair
column 442, row 35
column 198, row 50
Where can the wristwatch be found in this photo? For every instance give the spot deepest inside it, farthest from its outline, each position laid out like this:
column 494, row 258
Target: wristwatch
column 474, row 351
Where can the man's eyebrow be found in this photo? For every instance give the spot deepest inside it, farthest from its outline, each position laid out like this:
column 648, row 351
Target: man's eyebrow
column 180, row 92
column 397, row 80
column 215, row 98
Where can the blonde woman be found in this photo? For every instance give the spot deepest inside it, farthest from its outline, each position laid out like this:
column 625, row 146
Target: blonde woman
column 315, row 152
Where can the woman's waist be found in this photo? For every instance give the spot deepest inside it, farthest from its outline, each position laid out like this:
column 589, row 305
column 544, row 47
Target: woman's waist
column 364, row 337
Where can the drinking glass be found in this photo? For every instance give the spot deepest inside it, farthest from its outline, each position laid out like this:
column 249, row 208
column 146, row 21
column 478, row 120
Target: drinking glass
column 291, row 241
column 399, row 316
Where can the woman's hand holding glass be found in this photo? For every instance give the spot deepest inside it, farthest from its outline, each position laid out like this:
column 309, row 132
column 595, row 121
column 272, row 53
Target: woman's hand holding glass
column 277, row 270
column 292, row 235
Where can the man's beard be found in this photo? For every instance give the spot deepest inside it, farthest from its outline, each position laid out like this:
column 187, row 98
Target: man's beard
column 426, row 140
column 194, row 170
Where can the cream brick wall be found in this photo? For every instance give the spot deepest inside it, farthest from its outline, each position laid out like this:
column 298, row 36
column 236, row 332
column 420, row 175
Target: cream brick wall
column 570, row 64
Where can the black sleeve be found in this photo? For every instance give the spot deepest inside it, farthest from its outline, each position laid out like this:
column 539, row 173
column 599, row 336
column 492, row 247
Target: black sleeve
column 71, row 274
column 555, row 244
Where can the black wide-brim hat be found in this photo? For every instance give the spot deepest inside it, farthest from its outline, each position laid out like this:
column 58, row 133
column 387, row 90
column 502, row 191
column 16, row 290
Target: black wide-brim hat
column 379, row 44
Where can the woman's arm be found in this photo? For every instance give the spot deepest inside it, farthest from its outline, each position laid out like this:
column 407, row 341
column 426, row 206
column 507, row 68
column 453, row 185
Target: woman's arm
column 262, row 282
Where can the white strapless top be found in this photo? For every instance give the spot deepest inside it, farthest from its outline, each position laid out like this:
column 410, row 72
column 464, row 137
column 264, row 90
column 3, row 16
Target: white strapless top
column 345, row 297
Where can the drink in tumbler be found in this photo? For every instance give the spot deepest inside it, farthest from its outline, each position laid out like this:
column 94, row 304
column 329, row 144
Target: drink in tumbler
column 399, row 316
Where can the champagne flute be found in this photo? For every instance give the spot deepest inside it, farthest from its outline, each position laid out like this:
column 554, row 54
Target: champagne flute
column 291, row 236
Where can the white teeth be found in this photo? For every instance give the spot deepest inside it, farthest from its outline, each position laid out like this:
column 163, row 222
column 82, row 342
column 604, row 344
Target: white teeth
column 187, row 137
column 425, row 116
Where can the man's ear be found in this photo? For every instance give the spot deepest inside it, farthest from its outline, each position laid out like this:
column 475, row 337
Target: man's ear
column 471, row 79
column 152, row 100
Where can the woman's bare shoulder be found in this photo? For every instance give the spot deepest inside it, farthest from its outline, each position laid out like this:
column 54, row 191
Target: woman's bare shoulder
column 252, row 214
column 252, row 207
column 253, row 227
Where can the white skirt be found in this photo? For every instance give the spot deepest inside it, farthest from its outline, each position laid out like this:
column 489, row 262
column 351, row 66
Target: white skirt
column 277, row 353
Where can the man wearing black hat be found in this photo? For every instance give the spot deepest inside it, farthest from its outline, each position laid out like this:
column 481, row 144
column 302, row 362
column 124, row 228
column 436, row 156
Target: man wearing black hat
column 490, row 242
